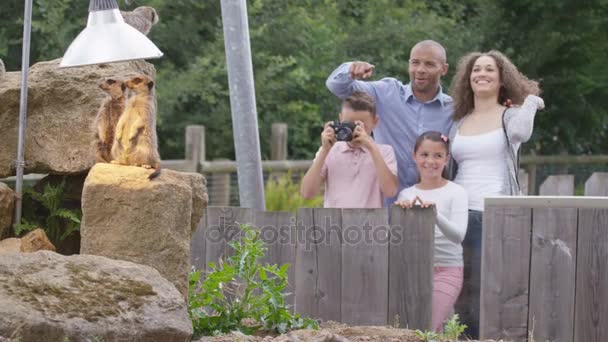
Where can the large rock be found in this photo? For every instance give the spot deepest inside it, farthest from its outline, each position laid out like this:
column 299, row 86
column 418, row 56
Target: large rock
column 7, row 202
column 33, row 241
column 49, row 297
column 129, row 217
column 62, row 104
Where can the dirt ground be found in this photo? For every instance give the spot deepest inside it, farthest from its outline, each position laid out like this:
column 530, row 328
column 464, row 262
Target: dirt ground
column 328, row 332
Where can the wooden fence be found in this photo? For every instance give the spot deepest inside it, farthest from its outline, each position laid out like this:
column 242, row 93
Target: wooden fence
column 545, row 264
column 357, row 266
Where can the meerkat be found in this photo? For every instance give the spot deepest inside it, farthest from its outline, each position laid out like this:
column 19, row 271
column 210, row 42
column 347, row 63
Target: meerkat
column 107, row 118
column 142, row 18
column 135, row 141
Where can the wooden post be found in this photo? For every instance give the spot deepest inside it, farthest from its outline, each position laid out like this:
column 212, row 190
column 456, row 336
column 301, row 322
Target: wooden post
column 523, row 181
column 195, row 145
column 278, row 146
column 558, row 185
column 219, row 189
column 597, row 184
column 532, row 179
column 278, row 141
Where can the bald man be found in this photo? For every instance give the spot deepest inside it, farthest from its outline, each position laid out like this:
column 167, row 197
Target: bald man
column 404, row 110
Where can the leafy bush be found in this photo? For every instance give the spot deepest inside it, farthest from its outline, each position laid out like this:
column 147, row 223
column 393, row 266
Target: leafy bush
column 282, row 194
column 242, row 294
column 44, row 210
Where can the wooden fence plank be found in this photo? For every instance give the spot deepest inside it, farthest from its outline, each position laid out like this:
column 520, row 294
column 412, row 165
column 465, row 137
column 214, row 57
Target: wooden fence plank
column 597, row 184
column 505, row 273
column 411, row 252
column 557, row 185
column 278, row 231
column 223, row 227
column 553, row 273
column 319, row 263
column 365, row 266
column 591, row 312
column 198, row 244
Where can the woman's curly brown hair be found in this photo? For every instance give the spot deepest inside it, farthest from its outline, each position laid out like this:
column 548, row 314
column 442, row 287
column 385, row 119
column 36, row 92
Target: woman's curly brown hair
column 514, row 90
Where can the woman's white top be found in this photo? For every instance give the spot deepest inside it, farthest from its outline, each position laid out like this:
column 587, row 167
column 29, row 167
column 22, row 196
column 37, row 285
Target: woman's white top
column 481, row 165
column 452, row 218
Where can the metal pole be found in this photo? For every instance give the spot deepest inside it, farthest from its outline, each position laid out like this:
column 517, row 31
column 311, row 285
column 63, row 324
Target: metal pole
column 242, row 103
column 25, row 68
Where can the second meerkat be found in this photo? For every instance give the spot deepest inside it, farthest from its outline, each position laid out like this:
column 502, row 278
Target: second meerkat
column 135, row 140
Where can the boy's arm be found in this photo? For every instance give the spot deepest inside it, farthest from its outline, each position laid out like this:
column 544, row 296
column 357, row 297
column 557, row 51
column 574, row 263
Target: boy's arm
column 386, row 164
column 389, row 183
column 313, row 179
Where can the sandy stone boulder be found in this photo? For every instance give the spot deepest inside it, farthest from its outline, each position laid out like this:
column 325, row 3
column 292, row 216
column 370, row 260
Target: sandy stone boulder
column 126, row 216
column 62, row 104
column 34, row 241
column 7, row 202
column 49, row 297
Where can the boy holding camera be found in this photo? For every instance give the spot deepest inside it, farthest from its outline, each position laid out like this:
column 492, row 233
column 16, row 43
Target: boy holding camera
column 357, row 172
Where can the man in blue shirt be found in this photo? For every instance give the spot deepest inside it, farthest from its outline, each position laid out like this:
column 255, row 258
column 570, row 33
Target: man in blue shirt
column 405, row 111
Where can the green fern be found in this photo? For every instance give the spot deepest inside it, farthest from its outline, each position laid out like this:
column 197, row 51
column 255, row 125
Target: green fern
column 44, row 210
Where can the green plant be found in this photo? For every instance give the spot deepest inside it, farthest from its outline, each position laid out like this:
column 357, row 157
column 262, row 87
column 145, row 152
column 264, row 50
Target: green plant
column 282, row 194
column 44, row 210
column 453, row 328
column 242, row 293
column 427, row 336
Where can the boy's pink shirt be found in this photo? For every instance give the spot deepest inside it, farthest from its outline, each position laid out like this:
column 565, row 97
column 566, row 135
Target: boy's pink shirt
column 351, row 180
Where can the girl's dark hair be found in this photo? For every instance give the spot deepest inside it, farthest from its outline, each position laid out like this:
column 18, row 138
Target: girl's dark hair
column 432, row 136
column 436, row 137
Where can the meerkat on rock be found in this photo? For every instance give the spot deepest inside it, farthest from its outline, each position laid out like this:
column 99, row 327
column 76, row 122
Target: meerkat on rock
column 135, row 142
column 107, row 117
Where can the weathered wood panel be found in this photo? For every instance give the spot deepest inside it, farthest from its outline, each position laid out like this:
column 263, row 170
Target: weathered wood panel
column 557, row 185
column 411, row 251
column 223, row 226
column 319, row 263
column 591, row 312
column 505, row 272
column 553, row 273
column 597, row 184
column 364, row 266
column 278, row 231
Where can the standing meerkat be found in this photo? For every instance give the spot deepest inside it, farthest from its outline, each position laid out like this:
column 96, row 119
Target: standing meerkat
column 135, row 142
column 107, row 117
column 142, row 18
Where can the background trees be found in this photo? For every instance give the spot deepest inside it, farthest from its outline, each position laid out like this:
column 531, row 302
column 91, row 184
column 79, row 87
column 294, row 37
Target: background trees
column 296, row 44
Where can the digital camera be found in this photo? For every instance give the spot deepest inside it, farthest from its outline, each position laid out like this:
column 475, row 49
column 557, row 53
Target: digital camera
column 344, row 130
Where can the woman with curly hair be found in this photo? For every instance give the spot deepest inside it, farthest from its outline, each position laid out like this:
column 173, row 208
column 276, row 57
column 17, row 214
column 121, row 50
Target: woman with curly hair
column 494, row 109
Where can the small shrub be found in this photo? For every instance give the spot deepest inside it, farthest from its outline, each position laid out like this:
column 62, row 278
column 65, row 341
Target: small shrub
column 242, row 294
column 282, row 194
column 453, row 329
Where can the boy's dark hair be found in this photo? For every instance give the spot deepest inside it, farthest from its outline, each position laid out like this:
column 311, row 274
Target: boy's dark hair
column 360, row 101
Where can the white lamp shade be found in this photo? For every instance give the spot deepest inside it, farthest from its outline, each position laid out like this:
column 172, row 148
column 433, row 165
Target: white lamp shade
column 106, row 39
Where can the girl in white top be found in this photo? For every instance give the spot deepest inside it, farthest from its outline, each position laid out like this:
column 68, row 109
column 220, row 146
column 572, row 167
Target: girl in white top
column 431, row 157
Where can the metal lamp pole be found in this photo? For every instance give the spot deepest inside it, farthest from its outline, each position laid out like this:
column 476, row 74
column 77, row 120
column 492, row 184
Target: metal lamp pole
column 25, row 68
column 242, row 103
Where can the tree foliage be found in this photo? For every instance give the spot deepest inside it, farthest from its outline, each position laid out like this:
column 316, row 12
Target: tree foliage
column 296, row 44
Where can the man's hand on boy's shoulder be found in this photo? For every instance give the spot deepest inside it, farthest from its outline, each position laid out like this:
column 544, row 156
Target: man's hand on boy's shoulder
column 328, row 136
